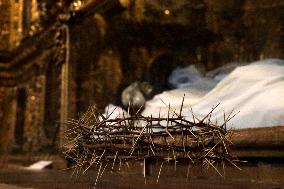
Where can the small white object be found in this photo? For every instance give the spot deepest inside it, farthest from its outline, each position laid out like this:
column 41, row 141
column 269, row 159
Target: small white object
column 39, row 165
column 114, row 112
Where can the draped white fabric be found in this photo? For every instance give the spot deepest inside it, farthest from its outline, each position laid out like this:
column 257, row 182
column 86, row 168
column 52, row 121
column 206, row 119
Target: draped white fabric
column 255, row 90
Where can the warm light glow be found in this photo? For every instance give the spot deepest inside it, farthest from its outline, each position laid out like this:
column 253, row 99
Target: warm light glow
column 77, row 4
column 167, row 12
column 124, row 3
column 33, row 97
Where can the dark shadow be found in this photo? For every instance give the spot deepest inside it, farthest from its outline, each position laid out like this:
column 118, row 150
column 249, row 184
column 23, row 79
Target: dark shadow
column 20, row 120
column 52, row 104
column 160, row 71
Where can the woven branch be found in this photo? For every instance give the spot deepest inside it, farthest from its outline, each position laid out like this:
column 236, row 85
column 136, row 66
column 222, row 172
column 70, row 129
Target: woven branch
column 95, row 139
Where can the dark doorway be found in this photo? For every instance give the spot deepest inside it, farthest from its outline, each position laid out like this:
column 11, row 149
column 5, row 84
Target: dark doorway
column 20, row 120
column 160, row 70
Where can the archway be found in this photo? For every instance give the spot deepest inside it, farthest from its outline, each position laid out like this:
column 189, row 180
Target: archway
column 160, row 70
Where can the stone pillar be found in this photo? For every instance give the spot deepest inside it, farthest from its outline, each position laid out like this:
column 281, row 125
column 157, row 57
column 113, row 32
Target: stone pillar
column 63, row 102
column 64, row 93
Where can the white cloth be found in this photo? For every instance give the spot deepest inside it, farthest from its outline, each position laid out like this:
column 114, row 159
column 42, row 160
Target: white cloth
column 256, row 90
column 113, row 112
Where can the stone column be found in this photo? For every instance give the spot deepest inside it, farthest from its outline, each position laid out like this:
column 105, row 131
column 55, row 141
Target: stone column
column 64, row 93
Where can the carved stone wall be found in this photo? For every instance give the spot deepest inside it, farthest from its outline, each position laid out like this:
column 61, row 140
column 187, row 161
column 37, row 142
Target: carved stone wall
column 248, row 30
column 7, row 119
column 230, row 30
column 17, row 21
column 4, row 25
column 34, row 115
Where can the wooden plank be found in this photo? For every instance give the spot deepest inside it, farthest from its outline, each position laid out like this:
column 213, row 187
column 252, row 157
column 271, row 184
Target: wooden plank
column 259, row 137
column 259, row 142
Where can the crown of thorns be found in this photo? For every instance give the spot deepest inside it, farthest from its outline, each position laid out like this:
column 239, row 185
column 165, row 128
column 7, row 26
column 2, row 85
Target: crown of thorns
column 97, row 139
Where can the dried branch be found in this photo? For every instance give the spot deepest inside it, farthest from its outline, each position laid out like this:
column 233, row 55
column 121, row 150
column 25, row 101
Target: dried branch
column 95, row 139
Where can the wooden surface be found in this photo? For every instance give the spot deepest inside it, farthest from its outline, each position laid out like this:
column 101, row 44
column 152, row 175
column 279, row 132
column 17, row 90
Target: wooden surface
column 266, row 142
column 259, row 142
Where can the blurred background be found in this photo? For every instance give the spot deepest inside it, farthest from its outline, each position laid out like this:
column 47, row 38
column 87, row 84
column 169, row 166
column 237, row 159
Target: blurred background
column 59, row 57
